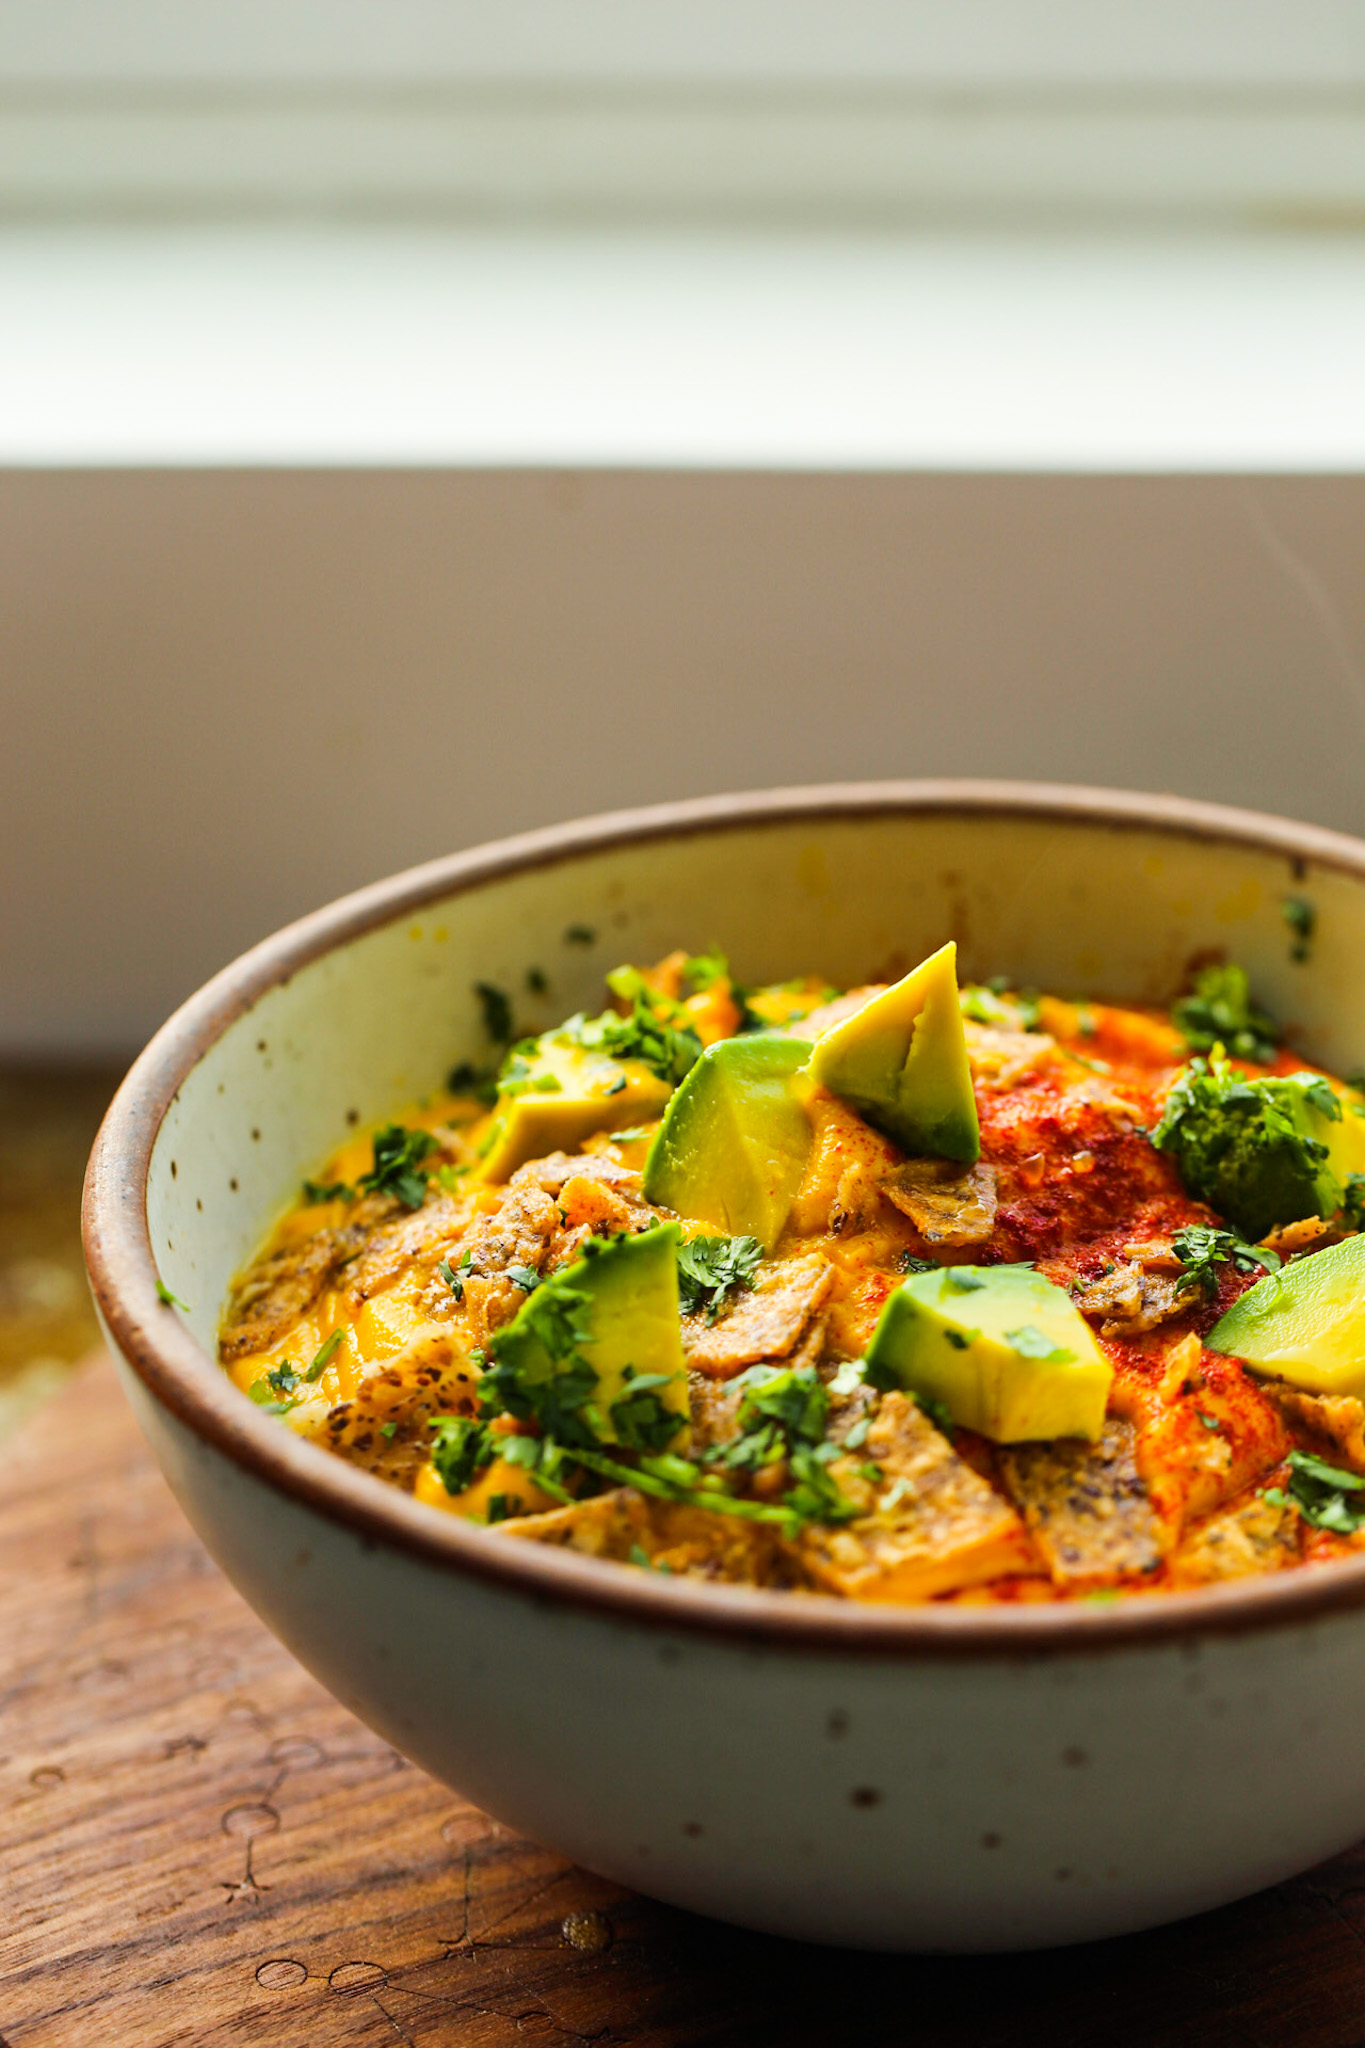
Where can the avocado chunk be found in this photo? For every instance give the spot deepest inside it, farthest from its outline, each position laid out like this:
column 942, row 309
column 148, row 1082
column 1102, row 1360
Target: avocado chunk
column 735, row 1139
column 1262, row 1152
column 901, row 1062
column 1304, row 1324
column 554, row 1092
column 1001, row 1348
column 595, row 1354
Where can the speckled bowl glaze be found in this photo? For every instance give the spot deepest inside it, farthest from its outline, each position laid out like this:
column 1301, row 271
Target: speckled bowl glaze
column 917, row 1778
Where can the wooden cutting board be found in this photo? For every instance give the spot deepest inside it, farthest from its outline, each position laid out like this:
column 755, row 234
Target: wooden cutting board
column 198, row 1846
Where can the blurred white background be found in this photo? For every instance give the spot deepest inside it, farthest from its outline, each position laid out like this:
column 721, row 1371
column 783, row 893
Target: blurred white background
column 420, row 421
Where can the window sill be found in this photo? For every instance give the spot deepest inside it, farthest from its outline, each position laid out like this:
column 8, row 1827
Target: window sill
column 303, row 346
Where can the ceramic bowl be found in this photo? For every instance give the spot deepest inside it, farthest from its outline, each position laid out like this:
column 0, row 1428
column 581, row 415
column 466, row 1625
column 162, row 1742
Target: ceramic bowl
column 915, row 1778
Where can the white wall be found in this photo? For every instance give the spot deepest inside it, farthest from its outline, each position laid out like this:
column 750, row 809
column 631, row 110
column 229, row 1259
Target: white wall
column 227, row 697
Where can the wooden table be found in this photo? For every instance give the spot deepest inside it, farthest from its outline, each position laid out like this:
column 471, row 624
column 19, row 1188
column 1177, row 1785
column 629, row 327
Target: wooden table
column 198, row 1846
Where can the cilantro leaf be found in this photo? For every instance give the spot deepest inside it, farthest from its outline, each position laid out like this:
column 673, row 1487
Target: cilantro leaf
column 1353, row 1201
column 480, row 1082
column 579, row 935
column 1301, row 916
column 1031, row 1343
column 1201, row 1250
column 1320, row 1491
column 398, row 1153
column 327, row 1191
column 668, row 1050
column 1242, row 1146
column 703, row 970
column 463, row 1446
column 710, row 1267
column 497, row 1012
column 1220, row 1012
column 640, row 1419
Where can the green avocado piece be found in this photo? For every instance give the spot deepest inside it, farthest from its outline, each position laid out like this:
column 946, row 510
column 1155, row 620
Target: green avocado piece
column 595, row 1352
column 1001, row 1348
column 735, row 1139
column 555, row 1093
column 1306, row 1323
column 901, row 1061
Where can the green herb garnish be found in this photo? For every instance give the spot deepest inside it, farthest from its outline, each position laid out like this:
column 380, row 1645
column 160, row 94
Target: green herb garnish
column 709, row 1268
column 480, row 1082
column 169, row 1300
column 1201, row 1250
column 463, row 1446
column 497, row 1012
column 1301, row 916
column 327, row 1191
column 1220, row 1012
column 1242, row 1147
column 668, row 1050
column 323, row 1356
column 1323, row 1494
column 579, row 935
column 398, row 1153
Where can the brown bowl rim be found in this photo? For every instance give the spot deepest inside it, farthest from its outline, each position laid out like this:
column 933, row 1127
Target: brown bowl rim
column 184, row 1380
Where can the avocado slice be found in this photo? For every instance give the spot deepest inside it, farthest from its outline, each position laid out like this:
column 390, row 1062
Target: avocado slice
column 1304, row 1324
column 595, row 1353
column 555, row 1092
column 735, row 1139
column 1002, row 1349
column 901, row 1061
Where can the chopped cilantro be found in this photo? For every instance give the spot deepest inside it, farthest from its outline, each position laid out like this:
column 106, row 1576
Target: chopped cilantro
column 938, row 1412
column 524, row 1277
column 536, row 981
column 1031, row 1343
column 710, row 1267
column 480, row 1082
column 1241, row 1146
column 1201, row 1250
column 956, row 1339
column 640, row 1419
column 323, row 1356
column 703, row 970
column 388, row 1430
column 579, row 935
column 909, row 1263
column 454, row 1275
column 1301, row 916
column 169, row 1300
column 398, row 1154
column 1220, row 1012
column 499, row 1508
column 1353, row 1201
column 450, row 1177
column 497, row 1012
column 283, row 1378
column 463, row 1446
column 667, row 1050
column 555, row 1315
column 1320, row 1492
column 1209, row 1421
column 327, row 1191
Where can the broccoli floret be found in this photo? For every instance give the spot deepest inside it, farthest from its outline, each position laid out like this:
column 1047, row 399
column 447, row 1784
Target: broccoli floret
column 1247, row 1147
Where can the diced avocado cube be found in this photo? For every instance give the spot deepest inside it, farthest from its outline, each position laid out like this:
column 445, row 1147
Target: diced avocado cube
column 1001, row 1348
column 1306, row 1323
column 595, row 1353
column 557, row 1093
column 735, row 1139
column 901, row 1062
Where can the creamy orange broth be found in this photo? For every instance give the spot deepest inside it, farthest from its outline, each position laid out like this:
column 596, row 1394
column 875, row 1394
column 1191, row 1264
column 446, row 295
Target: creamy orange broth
column 1190, row 1480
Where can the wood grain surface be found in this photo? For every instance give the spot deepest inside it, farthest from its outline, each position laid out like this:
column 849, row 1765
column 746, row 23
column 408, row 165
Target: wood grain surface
column 198, row 1846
